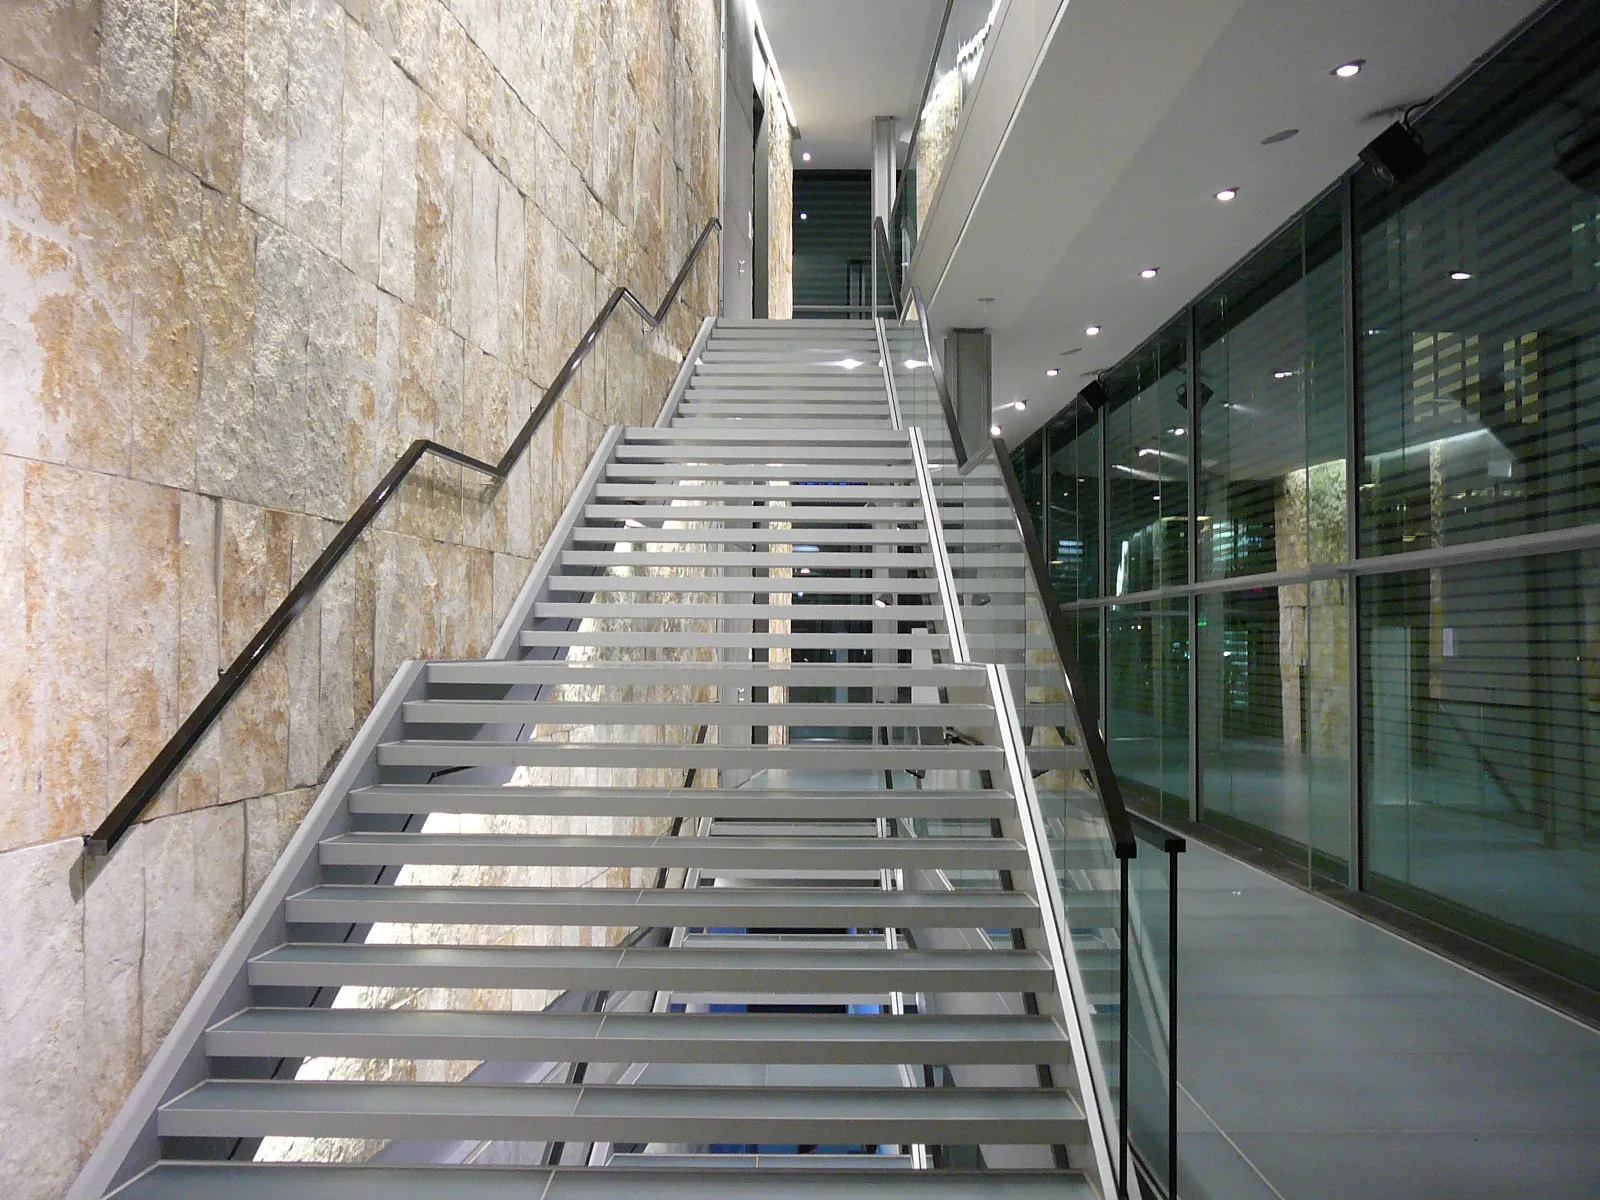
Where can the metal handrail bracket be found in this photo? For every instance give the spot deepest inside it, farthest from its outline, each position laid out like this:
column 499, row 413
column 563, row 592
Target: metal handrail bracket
column 198, row 723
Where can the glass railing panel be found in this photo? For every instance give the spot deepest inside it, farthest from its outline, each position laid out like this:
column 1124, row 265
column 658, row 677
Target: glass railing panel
column 1007, row 622
column 1010, row 619
column 1152, row 1033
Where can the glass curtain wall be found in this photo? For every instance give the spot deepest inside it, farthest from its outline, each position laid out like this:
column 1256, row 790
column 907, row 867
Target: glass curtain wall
column 1146, row 433
column 1361, row 477
column 1273, row 711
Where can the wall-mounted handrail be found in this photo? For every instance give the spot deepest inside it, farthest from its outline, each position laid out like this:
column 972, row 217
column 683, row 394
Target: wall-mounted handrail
column 182, row 743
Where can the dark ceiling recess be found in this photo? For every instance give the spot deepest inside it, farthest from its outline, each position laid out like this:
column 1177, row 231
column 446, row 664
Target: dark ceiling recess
column 837, row 232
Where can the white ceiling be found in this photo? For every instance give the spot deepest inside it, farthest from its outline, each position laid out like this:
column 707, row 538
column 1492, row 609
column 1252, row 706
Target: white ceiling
column 847, row 61
column 1138, row 115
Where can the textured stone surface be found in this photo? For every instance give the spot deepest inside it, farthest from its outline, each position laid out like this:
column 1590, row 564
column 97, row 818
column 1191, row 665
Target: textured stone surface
column 249, row 251
column 41, row 1020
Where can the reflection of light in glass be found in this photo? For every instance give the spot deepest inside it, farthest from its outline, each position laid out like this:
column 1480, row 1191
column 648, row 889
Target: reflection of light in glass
column 849, row 364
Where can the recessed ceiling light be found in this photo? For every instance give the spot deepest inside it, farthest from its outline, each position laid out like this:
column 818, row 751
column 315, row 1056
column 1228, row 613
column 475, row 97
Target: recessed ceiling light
column 1460, row 275
column 994, row 431
column 1093, row 331
column 804, row 217
column 1149, row 272
column 805, row 156
column 1282, row 374
column 1179, row 431
column 849, row 364
column 1350, row 69
column 1021, row 405
column 1227, row 194
column 1052, row 372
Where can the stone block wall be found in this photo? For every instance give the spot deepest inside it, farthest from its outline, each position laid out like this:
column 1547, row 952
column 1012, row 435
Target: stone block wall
column 780, row 206
column 249, row 249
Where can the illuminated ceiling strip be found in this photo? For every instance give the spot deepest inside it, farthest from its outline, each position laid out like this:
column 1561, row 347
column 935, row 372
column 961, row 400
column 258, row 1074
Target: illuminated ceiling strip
column 765, row 46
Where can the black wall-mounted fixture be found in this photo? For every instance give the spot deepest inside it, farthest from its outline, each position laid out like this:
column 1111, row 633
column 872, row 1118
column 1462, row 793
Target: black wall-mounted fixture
column 1183, row 395
column 1094, row 395
column 1579, row 159
column 1395, row 155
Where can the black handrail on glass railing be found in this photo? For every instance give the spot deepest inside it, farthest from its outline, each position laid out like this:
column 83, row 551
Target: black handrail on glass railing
column 1094, row 745
column 198, row 723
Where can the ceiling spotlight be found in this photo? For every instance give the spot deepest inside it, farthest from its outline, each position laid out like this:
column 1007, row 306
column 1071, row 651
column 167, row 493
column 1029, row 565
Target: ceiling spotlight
column 1350, row 69
column 882, row 600
column 804, row 217
column 994, row 431
column 1093, row 331
column 1227, row 194
column 1052, row 372
column 1148, row 273
column 1282, row 374
column 1179, row 431
column 1458, row 276
column 805, row 156
column 1021, row 405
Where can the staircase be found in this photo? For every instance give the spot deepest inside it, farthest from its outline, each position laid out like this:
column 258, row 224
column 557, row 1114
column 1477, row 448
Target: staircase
column 718, row 877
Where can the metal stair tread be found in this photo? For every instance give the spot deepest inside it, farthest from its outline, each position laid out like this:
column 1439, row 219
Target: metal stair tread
column 635, row 1036
column 685, row 802
column 308, row 1181
column 223, row 1108
column 752, row 969
column 354, row 903
column 665, row 850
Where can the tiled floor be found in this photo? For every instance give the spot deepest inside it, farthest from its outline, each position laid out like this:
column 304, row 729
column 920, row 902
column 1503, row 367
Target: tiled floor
column 1323, row 1058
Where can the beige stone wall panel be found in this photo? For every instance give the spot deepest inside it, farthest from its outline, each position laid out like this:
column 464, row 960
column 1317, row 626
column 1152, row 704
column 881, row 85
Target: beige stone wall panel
column 41, row 1021
column 264, row 171
column 143, row 622
column 207, row 132
column 397, row 228
column 58, row 41
column 194, row 890
column 63, row 724
column 136, row 67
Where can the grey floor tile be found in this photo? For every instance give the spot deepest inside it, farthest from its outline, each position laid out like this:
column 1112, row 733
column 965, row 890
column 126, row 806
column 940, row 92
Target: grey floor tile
column 1347, row 1024
column 1210, row 1169
column 1436, row 1166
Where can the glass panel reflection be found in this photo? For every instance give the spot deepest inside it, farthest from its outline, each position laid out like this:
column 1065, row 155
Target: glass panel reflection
column 1481, row 746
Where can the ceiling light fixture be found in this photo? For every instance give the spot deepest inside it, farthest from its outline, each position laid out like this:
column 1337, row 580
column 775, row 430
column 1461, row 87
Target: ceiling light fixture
column 1350, row 69
column 1282, row 374
column 1092, row 331
column 994, row 431
column 1052, row 372
column 1021, row 406
column 1179, row 431
column 805, row 156
column 1149, row 272
column 849, row 364
column 1458, row 276
column 1227, row 194
column 804, row 217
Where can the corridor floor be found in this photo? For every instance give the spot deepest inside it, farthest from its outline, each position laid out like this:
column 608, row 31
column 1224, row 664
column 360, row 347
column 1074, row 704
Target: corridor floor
column 1322, row 1058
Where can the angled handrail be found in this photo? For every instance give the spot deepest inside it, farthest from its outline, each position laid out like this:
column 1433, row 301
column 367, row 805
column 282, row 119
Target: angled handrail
column 182, row 743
